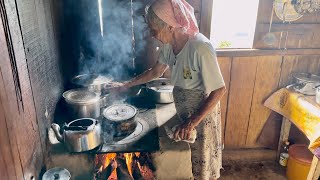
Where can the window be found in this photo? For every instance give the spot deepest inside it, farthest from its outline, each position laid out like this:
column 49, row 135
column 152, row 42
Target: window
column 233, row 23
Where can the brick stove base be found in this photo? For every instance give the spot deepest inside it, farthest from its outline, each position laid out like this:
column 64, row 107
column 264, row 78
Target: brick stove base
column 80, row 165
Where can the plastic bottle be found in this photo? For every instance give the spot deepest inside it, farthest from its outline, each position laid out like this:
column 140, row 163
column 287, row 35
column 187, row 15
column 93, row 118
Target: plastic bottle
column 284, row 155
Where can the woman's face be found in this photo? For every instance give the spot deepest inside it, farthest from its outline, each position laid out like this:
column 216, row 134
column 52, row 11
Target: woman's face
column 164, row 35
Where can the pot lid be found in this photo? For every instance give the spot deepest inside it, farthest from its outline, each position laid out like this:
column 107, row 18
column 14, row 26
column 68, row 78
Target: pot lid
column 166, row 88
column 119, row 112
column 91, row 79
column 307, row 77
column 57, row 173
column 80, row 96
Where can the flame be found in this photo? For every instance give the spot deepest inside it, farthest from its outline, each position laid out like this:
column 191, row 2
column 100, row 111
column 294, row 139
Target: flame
column 129, row 157
column 104, row 160
column 108, row 158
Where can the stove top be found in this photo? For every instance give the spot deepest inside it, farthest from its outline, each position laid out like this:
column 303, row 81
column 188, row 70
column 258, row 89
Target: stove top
column 143, row 139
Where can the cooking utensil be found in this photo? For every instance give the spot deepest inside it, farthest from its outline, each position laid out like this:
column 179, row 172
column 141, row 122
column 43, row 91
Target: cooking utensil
column 56, row 173
column 93, row 82
column 160, row 90
column 122, row 118
column 82, row 103
column 79, row 135
column 306, row 83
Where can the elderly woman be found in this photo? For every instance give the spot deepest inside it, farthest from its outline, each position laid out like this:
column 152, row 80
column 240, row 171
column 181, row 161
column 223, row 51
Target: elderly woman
column 197, row 79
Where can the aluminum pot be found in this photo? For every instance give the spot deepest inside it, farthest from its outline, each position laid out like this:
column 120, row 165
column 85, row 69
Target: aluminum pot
column 121, row 117
column 160, row 91
column 79, row 135
column 306, row 83
column 82, row 103
column 93, row 82
column 56, row 173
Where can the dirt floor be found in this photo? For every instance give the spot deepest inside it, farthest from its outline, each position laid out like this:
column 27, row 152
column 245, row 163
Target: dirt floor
column 258, row 170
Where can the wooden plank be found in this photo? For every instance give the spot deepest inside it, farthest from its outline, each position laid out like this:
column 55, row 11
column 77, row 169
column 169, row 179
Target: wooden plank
column 8, row 151
column 284, row 134
column 205, row 17
column 314, row 171
column 7, row 164
column 299, row 36
column 22, row 122
column 243, row 74
column 225, row 67
column 267, row 79
column 265, row 52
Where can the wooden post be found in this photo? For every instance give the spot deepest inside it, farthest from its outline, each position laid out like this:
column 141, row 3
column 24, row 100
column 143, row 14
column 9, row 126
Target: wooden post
column 284, row 134
column 314, row 172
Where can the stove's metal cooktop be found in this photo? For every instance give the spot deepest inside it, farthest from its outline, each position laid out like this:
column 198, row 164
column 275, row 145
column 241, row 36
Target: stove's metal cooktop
column 143, row 139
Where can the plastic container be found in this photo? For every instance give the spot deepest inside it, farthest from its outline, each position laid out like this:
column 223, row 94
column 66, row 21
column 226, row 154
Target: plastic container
column 299, row 162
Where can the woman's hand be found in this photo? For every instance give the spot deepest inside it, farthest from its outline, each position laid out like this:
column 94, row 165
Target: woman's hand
column 116, row 87
column 184, row 130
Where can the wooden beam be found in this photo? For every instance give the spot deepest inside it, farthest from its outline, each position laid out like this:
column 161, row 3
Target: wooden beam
column 265, row 52
column 266, row 82
column 242, row 81
column 205, row 17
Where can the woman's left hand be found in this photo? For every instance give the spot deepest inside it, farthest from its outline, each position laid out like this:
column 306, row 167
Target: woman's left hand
column 184, row 130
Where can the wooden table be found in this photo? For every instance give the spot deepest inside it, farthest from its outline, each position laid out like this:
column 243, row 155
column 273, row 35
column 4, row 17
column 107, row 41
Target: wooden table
column 302, row 111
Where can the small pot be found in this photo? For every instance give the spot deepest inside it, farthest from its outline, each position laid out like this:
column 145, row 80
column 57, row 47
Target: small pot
column 306, row 83
column 82, row 103
column 160, row 91
column 79, row 135
column 122, row 119
column 56, row 173
column 92, row 82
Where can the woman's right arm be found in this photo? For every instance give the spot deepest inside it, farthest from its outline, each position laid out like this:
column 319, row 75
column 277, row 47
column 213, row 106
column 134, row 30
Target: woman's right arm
column 156, row 71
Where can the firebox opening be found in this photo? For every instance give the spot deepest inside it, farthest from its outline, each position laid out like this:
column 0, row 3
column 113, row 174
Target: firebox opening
column 134, row 165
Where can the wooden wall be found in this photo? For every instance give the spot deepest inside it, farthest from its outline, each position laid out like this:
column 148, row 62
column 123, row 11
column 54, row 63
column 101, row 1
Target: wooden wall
column 40, row 40
column 250, row 80
column 31, row 84
column 21, row 153
column 253, row 75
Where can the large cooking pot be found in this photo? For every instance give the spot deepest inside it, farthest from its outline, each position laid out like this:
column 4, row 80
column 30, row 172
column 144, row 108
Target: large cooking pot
column 82, row 103
column 121, row 117
column 160, row 90
column 306, row 83
column 79, row 135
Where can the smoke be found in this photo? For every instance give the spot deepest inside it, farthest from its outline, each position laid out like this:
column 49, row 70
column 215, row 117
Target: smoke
column 112, row 51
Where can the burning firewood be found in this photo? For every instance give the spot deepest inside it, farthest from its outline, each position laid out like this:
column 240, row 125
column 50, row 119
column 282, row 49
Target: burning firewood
column 124, row 166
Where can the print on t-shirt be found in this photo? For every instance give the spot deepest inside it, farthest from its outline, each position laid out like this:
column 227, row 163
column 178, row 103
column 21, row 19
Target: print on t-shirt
column 187, row 73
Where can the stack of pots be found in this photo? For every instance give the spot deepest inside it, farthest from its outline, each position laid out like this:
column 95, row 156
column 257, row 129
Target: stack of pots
column 87, row 99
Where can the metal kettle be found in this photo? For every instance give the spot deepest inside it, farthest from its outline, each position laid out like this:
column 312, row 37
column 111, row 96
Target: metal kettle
column 79, row 135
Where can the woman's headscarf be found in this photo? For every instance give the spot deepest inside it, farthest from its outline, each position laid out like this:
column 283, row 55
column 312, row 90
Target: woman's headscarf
column 176, row 13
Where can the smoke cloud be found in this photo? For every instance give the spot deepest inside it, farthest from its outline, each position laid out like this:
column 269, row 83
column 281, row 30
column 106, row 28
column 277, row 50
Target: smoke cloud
column 112, row 51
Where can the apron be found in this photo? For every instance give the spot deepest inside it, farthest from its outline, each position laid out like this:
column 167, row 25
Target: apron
column 206, row 151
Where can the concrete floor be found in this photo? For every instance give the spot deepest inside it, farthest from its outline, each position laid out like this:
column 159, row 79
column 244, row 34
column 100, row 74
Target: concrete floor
column 251, row 171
